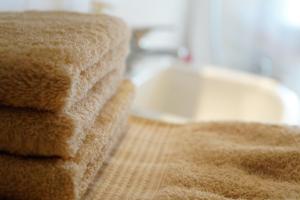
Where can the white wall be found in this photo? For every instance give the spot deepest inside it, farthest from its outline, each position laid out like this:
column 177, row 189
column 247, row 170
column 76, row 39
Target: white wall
column 154, row 13
column 223, row 32
column 247, row 35
column 149, row 12
column 19, row 5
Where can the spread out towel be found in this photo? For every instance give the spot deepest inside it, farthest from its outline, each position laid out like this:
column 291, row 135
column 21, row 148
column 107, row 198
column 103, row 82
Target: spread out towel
column 39, row 133
column 49, row 60
column 53, row 178
column 210, row 161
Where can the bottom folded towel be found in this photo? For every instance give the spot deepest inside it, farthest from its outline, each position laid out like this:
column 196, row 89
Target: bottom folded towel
column 54, row 178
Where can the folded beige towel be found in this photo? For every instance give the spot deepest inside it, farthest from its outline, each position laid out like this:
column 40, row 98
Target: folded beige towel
column 48, row 59
column 54, row 178
column 209, row 161
column 39, row 133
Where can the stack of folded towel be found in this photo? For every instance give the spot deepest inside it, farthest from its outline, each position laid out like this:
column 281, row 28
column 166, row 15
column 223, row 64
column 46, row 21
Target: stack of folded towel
column 63, row 101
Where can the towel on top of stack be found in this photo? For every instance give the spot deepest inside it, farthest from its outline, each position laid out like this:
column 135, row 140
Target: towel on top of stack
column 63, row 103
column 49, row 61
column 69, row 64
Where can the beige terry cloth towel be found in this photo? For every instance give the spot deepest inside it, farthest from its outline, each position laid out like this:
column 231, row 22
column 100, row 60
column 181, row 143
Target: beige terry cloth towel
column 49, row 60
column 209, row 161
column 38, row 133
column 53, row 178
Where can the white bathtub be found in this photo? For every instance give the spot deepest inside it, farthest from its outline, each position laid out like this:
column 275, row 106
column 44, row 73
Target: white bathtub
column 183, row 94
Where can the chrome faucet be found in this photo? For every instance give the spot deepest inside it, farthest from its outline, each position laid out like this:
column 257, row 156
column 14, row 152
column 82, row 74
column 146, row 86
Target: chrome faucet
column 138, row 52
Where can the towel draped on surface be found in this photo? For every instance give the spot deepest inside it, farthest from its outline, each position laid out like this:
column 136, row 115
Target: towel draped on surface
column 209, row 161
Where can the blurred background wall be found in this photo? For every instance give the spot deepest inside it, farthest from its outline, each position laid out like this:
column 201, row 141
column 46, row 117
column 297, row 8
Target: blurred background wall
column 253, row 35
column 259, row 36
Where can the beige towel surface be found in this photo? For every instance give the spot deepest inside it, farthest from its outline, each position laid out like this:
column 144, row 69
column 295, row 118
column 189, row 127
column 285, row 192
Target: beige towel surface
column 53, row 178
column 47, row 59
column 209, row 161
column 38, row 133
